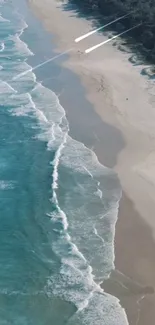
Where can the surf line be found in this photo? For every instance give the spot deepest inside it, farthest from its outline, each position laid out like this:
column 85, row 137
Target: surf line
column 40, row 65
column 67, row 51
column 78, row 39
column 110, row 39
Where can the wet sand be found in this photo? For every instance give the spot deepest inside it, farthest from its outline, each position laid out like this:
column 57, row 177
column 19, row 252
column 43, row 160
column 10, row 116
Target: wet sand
column 122, row 134
column 133, row 282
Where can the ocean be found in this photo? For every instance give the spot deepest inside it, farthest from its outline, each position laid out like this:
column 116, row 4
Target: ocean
column 58, row 204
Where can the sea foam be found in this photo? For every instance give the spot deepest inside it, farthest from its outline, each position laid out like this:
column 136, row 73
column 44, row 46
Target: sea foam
column 81, row 229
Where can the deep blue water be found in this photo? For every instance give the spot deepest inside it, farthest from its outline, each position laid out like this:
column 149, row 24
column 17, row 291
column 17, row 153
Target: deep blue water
column 58, row 205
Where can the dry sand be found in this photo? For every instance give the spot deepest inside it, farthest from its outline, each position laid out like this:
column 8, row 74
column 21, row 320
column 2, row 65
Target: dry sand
column 125, row 99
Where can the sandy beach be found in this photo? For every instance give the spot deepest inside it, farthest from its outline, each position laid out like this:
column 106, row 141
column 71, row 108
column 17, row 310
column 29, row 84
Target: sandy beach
column 124, row 99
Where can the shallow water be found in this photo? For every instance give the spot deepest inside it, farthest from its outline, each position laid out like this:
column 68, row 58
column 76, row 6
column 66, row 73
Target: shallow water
column 58, row 205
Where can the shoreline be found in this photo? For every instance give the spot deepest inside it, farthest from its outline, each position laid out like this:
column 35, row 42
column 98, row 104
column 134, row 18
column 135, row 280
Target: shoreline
column 97, row 83
column 133, row 281
column 115, row 88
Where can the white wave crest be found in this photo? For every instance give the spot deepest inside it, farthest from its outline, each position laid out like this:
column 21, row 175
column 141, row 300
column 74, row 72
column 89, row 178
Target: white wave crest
column 75, row 269
column 20, row 46
column 39, row 113
column 2, row 19
column 5, row 88
column 2, row 47
column 6, row 185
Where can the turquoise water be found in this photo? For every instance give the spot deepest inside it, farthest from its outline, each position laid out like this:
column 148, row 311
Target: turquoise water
column 58, row 205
